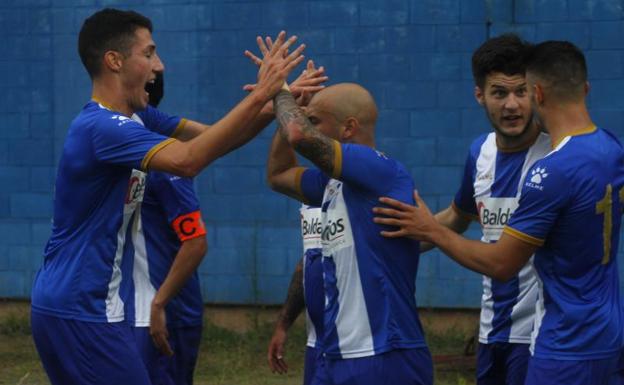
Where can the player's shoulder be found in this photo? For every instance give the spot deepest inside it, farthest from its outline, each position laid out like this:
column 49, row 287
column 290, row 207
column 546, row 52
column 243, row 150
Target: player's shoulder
column 607, row 136
column 481, row 142
column 102, row 117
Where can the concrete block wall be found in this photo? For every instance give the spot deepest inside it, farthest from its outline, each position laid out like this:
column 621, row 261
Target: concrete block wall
column 414, row 56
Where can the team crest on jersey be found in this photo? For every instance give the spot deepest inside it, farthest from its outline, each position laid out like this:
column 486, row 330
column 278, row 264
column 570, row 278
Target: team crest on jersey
column 537, row 177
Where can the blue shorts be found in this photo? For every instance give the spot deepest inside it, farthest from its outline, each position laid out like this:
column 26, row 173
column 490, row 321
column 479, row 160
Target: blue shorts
column 87, row 353
column 313, row 357
column 577, row 372
column 401, row 366
column 177, row 369
column 502, row 363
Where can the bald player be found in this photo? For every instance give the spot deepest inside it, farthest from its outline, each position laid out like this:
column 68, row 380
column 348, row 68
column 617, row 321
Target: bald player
column 371, row 330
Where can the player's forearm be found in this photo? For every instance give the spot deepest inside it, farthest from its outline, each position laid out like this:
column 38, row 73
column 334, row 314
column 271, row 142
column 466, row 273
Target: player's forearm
column 450, row 219
column 263, row 119
column 189, row 158
column 281, row 158
column 485, row 258
column 184, row 265
column 295, row 301
column 301, row 134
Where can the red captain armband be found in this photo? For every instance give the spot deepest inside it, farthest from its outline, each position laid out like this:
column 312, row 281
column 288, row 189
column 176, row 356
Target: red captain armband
column 189, row 226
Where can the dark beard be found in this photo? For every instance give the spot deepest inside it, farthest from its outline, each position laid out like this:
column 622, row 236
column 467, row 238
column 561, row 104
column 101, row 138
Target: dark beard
column 522, row 133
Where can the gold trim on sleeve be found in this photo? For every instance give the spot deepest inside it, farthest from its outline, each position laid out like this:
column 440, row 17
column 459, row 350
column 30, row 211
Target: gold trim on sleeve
column 179, row 128
column 150, row 154
column 523, row 237
column 337, row 171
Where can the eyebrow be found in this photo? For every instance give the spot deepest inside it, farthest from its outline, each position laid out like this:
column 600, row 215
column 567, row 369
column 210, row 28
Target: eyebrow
column 506, row 87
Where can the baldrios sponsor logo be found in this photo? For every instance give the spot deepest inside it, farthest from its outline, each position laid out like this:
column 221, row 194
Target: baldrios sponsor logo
column 494, row 218
column 333, row 230
column 494, row 214
column 136, row 189
column 311, row 227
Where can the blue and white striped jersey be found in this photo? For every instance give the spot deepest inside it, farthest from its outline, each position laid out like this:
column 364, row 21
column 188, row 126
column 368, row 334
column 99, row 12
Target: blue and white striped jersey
column 571, row 207
column 369, row 279
column 95, row 198
column 168, row 215
column 311, row 228
column 489, row 192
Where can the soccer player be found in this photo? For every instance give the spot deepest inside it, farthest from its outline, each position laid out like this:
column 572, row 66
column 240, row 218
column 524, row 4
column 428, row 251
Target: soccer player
column 164, row 302
column 169, row 241
column 495, row 168
column 372, row 333
column 77, row 310
column 305, row 291
column 568, row 215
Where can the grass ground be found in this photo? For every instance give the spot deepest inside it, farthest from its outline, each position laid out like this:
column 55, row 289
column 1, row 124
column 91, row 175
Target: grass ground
column 236, row 355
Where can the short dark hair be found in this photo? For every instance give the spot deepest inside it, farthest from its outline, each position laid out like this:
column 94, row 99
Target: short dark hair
column 561, row 65
column 108, row 30
column 505, row 53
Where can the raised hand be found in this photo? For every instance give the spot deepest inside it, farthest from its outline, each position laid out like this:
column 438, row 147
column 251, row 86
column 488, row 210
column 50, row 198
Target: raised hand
column 276, row 63
column 308, row 83
column 304, row 87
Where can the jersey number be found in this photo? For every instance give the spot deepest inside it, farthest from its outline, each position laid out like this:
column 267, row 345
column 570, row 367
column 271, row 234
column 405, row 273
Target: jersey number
column 605, row 206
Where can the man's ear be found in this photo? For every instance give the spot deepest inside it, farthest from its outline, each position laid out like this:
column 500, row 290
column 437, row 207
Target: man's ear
column 351, row 128
column 113, row 60
column 478, row 94
column 539, row 94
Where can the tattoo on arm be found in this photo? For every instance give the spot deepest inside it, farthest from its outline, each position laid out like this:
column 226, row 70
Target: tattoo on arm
column 295, row 301
column 313, row 145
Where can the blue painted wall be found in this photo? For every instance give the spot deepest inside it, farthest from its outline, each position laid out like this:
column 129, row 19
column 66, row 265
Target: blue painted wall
column 414, row 55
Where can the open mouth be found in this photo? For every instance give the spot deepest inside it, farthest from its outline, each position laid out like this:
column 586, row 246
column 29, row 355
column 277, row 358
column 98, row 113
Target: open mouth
column 149, row 86
column 512, row 119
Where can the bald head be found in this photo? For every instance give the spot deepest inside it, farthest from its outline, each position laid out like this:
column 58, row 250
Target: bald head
column 348, row 101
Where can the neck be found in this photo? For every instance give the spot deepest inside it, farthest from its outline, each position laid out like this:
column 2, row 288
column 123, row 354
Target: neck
column 564, row 120
column 108, row 93
column 517, row 143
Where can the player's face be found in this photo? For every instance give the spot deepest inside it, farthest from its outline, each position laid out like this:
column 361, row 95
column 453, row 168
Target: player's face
column 507, row 104
column 324, row 121
column 140, row 68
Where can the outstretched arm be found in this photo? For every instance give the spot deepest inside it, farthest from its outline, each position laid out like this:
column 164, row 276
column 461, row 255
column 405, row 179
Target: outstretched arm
column 294, row 305
column 501, row 260
column 449, row 218
column 189, row 158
